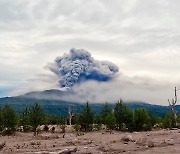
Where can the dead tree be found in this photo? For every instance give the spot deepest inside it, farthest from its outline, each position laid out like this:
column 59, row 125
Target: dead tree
column 172, row 105
column 70, row 115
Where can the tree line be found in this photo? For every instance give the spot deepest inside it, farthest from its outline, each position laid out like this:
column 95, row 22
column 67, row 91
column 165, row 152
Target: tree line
column 119, row 118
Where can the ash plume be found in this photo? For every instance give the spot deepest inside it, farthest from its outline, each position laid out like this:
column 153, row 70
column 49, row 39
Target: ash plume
column 79, row 66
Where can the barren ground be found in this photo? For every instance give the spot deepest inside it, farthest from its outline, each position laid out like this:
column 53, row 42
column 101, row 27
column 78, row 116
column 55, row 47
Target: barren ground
column 161, row 141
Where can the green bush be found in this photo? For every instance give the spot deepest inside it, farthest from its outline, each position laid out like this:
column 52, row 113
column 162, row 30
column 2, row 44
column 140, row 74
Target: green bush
column 123, row 115
column 85, row 119
column 110, row 121
column 36, row 116
column 1, row 120
column 141, row 120
column 10, row 119
column 106, row 111
column 168, row 121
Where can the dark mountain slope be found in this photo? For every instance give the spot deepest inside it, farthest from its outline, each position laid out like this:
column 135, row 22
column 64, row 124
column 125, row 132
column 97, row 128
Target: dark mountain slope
column 61, row 107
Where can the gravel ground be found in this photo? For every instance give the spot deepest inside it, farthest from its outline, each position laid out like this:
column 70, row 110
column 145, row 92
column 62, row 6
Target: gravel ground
column 160, row 142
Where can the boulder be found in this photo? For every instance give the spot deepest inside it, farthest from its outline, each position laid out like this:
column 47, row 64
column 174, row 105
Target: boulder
column 144, row 142
column 150, row 144
column 127, row 138
column 141, row 141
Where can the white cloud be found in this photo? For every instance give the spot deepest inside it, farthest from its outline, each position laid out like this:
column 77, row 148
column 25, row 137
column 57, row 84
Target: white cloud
column 142, row 37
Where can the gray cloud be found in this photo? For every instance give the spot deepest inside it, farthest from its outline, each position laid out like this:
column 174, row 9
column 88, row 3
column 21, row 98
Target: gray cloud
column 79, row 66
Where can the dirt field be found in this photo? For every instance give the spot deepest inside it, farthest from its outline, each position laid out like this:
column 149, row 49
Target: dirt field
column 161, row 142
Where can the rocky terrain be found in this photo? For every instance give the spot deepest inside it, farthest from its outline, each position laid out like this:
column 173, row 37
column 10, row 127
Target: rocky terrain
column 159, row 141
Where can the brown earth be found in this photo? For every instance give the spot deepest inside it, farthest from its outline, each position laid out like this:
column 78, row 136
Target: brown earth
column 153, row 142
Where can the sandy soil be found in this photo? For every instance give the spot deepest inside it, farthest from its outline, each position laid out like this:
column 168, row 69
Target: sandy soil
column 154, row 142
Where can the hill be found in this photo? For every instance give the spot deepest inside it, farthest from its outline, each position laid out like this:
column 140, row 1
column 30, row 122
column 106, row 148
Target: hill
column 61, row 107
column 52, row 94
column 51, row 102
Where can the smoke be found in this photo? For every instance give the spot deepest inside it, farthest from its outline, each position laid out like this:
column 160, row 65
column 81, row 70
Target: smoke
column 79, row 66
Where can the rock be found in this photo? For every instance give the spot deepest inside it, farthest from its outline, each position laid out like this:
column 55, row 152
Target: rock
column 92, row 146
column 163, row 144
column 69, row 143
column 166, row 143
column 170, row 143
column 127, row 138
column 145, row 142
column 138, row 147
column 105, row 148
column 174, row 128
column 146, row 147
column 150, row 144
column 114, row 141
column 141, row 141
column 148, row 134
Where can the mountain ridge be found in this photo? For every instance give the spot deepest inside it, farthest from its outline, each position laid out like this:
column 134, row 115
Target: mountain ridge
column 51, row 102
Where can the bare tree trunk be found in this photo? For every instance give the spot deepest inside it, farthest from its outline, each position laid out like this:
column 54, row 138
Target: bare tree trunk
column 70, row 115
column 172, row 105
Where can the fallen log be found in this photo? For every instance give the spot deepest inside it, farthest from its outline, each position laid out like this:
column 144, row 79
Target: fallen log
column 67, row 151
column 64, row 151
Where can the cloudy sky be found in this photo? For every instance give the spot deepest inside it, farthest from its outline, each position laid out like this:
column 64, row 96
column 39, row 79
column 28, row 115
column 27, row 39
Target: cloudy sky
column 141, row 37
